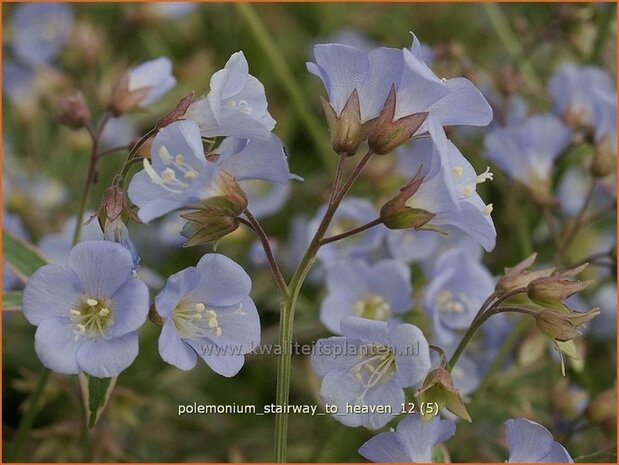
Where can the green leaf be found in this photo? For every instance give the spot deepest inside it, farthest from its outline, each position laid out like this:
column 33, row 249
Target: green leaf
column 22, row 257
column 95, row 394
column 11, row 301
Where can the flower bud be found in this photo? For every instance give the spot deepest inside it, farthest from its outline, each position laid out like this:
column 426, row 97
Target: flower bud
column 438, row 387
column 604, row 159
column 177, row 113
column 73, row 111
column 519, row 275
column 561, row 325
column 554, row 289
column 541, row 193
column 386, row 134
column 395, row 214
column 215, row 217
column 123, row 99
column 347, row 130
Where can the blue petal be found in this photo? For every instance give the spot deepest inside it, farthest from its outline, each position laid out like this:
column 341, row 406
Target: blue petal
column 152, row 199
column 385, row 448
column 465, row 105
column 56, row 345
column 106, row 358
column 52, row 290
column 412, row 353
column 527, row 440
column 130, row 304
column 334, row 353
column 222, row 360
column 156, row 75
column 365, row 330
column 341, row 69
column 222, row 281
column 173, row 350
column 264, row 160
column 335, row 307
column 392, row 280
column 180, row 137
column 240, row 325
column 175, row 289
column 101, row 266
column 419, row 437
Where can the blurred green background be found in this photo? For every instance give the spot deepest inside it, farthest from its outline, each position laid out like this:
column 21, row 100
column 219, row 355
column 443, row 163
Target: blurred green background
column 141, row 423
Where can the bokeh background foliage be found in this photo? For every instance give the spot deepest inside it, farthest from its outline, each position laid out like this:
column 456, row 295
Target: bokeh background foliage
column 141, row 423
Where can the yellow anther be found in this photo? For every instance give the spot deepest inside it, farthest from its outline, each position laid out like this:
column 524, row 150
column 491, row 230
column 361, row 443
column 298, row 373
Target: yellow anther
column 487, row 209
column 75, row 312
column 211, row 314
column 191, row 174
column 91, row 302
column 168, row 175
column 457, row 171
column 467, row 190
column 104, row 312
column 179, row 159
column 200, row 307
column 213, row 323
column 218, row 331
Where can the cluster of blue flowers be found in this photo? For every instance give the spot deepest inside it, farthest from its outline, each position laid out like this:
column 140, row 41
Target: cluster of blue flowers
column 217, row 158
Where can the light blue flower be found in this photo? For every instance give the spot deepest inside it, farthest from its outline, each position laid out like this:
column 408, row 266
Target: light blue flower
column 18, row 83
column 154, row 75
column 87, row 312
column 572, row 191
column 256, row 256
column 265, row 199
column 351, row 37
column 207, row 312
column 12, row 224
column 354, row 288
column 526, row 152
column 605, row 118
column 343, row 69
column 40, row 31
column 530, row 442
column 410, row 245
column 411, row 442
column 449, row 189
column 179, row 175
column 118, row 132
column 455, row 293
column 603, row 326
column 573, row 90
column 169, row 230
column 352, row 212
column 370, row 365
column 236, row 104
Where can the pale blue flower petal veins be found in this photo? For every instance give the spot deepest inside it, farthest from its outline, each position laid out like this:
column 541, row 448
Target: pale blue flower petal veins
column 530, row 442
column 40, row 31
column 131, row 302
column 173, row 350
column 55, row 344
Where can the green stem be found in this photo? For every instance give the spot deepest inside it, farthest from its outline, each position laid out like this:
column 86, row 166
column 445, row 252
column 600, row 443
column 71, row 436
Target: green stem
column 287, row 81
column 603, row 26
column 512, row 44
column 288, row 305
column 28, row 419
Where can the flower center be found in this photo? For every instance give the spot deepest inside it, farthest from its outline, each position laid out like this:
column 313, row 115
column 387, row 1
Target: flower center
column 91, row 317
column 374, row 307
column 175, row 168
column 447, row 302
column 377, row 367
column 194, row 320
column 241, row 106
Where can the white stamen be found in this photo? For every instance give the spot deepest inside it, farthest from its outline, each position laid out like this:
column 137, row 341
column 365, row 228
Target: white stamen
column 91, row 302
column 150, row 171
column 444, row 80
column 191, row 174
column 487, row 209
column 75, row 312
column 179, row 159
column 485, row 176
column 218, row 331
column 164, row 155
column 168, row 175
column 457, row 171
column 104, row 312
column 200, row 307
column 213, row 323
column 467, row 190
